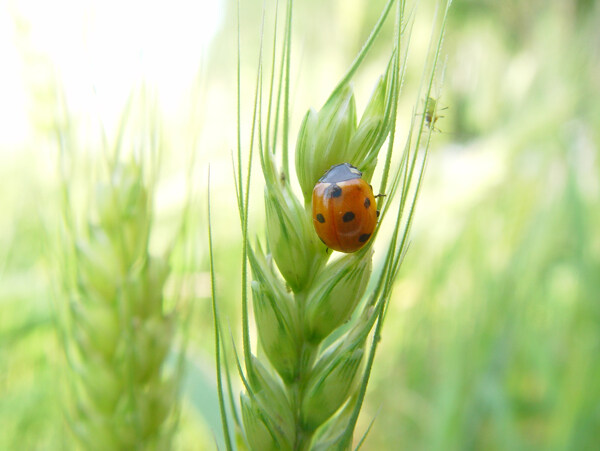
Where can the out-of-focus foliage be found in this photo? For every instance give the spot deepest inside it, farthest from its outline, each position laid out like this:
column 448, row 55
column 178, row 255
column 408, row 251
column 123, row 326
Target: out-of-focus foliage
column 492, row 340
column 497, row 310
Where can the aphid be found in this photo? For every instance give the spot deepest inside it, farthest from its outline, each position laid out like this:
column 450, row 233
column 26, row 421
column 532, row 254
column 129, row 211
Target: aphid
column 343, row 208
column 430, row 113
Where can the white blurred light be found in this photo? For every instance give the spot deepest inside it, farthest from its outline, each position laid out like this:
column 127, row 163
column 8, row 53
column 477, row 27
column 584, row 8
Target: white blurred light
column 13, row 115
column 102, row 50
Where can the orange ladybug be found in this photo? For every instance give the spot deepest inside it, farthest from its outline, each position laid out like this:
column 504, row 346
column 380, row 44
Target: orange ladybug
column 343, row 208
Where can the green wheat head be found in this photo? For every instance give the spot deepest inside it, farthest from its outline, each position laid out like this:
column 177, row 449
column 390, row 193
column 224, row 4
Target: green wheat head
column 112, row 320
column 318, row 318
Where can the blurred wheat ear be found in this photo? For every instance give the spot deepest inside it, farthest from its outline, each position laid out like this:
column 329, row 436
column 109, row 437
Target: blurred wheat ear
column 305, row 384
column 111, row 315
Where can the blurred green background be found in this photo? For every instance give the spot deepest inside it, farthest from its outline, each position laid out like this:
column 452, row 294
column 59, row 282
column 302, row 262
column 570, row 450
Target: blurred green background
column 493, row 336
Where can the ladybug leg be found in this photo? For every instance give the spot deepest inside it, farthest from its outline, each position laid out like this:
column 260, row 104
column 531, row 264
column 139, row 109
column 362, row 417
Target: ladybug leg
column 377, row 213
column 379, row 195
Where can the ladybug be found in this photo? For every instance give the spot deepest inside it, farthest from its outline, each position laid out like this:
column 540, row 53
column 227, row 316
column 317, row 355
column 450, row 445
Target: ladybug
column 343, row 209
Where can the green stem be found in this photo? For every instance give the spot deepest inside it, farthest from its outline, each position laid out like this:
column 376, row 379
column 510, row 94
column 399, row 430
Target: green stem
column 286, row 92
column 363, row 52
column 306, row 358
column 217, row 326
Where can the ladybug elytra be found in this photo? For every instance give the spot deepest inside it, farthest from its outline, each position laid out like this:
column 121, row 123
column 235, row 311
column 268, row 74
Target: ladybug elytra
column 344, row 210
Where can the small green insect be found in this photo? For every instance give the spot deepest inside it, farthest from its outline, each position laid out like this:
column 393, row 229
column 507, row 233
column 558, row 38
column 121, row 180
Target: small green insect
column 430, row 113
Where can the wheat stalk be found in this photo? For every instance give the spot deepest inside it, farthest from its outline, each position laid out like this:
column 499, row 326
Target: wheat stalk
column 305, row 384
column 112, row 320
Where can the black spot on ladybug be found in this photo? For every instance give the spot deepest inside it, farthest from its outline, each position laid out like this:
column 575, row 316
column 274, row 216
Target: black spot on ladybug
column 364, row 237
column 367, row 202
column 333, row 191
column 320, row 218
column 348, row 216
